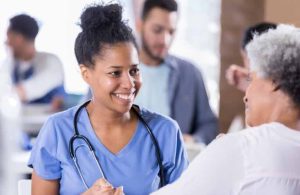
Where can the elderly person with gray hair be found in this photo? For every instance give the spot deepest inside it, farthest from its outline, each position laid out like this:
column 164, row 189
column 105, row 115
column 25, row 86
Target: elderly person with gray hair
column 265, row 158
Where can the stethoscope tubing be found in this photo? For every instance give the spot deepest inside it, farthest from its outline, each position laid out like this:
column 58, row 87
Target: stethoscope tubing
column 92, row 150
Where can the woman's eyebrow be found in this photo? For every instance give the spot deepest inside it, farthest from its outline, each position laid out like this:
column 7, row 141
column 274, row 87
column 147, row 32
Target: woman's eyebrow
column 115, row 66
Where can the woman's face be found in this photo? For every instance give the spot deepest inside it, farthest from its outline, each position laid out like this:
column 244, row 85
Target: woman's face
column 115, row 79
column 263, row 104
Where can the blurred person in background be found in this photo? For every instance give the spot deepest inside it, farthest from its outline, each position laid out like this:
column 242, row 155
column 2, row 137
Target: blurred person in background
column 37, row 76
column 172, row 86
column 237, row 75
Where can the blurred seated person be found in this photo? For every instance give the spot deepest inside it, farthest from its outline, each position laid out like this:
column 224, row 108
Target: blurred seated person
column 264, row 158
column 237, row 75
column 37, row 76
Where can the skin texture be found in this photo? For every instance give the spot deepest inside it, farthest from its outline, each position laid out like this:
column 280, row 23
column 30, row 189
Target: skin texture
column 264, row 104
column 101, row 186
column 116, row 72
column 41, row 186
column 115, row 81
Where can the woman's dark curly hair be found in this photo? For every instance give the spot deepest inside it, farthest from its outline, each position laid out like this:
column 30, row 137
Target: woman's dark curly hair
column 101, row 25
column 275, row 55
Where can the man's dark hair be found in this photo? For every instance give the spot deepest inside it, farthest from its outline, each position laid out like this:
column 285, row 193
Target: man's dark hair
column 168, row 5
column 256, row 29
column 102, row 25
column 25, row 25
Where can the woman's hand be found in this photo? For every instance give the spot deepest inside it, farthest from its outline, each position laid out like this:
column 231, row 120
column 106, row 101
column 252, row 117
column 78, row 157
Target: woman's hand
column 188, row 138
column 102, row 187
column 237, row 76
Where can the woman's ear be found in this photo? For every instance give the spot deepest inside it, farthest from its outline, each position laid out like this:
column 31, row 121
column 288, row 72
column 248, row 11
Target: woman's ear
column 84, row 70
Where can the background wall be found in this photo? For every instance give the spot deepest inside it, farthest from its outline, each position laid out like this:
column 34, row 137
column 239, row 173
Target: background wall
column 235, row 17
column 286, row 11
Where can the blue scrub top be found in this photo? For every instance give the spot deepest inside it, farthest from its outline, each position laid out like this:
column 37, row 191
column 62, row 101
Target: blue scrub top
column 134, row 167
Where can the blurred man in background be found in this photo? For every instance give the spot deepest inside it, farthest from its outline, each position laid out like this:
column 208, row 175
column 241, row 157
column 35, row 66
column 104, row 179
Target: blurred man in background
column 172, row 86
column 37, row 76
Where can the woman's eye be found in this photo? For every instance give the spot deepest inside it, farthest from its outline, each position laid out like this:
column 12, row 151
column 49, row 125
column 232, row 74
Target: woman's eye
column 115, row 73
column 134, row 71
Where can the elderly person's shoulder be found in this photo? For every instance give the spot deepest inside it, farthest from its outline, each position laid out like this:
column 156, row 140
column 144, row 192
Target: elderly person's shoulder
column 273, row 131
column 254, row 136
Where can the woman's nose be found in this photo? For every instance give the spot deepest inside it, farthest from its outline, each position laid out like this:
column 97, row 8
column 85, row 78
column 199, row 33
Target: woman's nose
column 128, row 81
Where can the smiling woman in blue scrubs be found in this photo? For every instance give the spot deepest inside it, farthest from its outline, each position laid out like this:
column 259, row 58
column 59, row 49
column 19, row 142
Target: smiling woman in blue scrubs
column 107, row 55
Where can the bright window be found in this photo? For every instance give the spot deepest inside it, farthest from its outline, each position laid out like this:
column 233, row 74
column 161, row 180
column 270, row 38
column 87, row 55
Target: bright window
column 197, row 40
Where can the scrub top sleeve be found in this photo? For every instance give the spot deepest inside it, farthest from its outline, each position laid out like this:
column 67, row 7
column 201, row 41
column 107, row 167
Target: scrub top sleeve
column 179, row 161
column 43, row 155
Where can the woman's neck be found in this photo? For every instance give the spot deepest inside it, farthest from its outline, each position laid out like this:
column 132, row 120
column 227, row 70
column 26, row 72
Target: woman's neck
column 103, row 118
column 110, row 126
column 297, row 125
column 291, row 121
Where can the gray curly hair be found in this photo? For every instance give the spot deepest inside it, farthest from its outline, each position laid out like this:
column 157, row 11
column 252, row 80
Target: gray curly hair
column 275, row 55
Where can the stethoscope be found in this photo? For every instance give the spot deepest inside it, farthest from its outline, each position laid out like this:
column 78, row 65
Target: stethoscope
column 88, row 144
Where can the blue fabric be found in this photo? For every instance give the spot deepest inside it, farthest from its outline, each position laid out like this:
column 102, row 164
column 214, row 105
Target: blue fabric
column 25, row 141
column 18, row 77
column 189, row 102
column 46, row 99
column 154, row 91
column 134, row 167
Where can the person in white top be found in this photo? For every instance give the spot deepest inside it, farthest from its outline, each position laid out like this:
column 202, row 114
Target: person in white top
column 264, row 158
column 37, row 76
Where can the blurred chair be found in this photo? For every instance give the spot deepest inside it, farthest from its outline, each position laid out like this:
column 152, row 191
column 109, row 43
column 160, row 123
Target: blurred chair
column 193, row 149
column 24, row 187
column 71, row 100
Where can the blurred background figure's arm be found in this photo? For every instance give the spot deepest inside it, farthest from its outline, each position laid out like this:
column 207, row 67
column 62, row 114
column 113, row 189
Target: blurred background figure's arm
column 237, row 76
